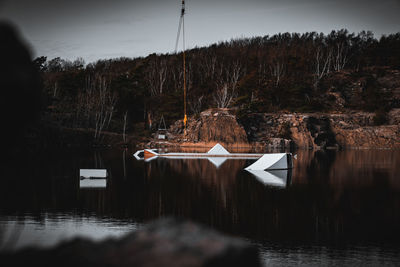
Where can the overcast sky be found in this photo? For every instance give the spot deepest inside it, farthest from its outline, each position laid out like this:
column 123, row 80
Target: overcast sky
column 98, row 29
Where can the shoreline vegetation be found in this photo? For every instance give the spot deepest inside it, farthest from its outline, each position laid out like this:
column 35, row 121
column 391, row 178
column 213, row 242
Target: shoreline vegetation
column 311, row 90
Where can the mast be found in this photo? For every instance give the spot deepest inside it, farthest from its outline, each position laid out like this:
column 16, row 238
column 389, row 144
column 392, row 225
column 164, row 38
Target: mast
column 182, row 25
column 184, row 65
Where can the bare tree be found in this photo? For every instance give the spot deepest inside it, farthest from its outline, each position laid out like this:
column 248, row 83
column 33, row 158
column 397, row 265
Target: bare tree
column 124, row 129
column 340, row 56
column 323, row 58
column 277, row 59
column 55, row 89
column 96, row 104
column 196, row 104
column 226, row 83
column 156, row 75
column 208, row 66
column 262, row 73
column 177, row 78
column 277, row 67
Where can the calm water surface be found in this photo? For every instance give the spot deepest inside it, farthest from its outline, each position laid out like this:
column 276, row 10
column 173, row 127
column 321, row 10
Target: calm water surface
column 333, row 208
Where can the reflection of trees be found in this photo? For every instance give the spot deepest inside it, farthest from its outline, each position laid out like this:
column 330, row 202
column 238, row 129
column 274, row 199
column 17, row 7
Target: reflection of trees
column 311, row 209
column 324, row 202
column 347, row 168
column 217, row 181
column 366, row 167
column 321, row 164
column 190, row 188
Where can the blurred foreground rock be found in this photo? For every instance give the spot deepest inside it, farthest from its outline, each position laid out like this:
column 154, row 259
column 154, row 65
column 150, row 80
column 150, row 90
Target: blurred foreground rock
column 20, row 87
column 166, row 242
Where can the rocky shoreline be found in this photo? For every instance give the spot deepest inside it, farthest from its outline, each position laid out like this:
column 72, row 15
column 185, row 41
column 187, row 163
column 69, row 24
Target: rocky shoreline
column 285, row 130
column 253, row 132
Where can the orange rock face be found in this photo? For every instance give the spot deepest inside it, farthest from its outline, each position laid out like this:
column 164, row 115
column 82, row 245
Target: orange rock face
column 282, row 130
column 318, row 130
column 211, row 126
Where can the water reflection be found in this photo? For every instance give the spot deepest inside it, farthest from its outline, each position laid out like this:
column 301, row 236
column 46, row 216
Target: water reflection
column 92, row 178
column 217, row 162
column 28, row 231
column 333, row 197
column 88, row 183
column 276, row 178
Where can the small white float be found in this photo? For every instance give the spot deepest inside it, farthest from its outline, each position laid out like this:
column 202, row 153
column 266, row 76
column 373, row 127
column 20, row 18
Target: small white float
column 92, row 178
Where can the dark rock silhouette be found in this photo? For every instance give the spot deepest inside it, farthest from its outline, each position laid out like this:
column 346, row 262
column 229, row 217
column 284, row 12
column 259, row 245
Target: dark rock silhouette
column 166, row 242
column 20, row 86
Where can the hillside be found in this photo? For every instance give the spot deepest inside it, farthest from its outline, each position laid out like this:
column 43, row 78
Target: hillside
column 337, row 73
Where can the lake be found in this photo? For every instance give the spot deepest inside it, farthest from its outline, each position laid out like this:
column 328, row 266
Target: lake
column 332, row 208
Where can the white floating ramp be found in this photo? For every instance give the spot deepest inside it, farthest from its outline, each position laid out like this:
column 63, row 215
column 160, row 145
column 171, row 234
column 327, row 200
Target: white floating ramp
column 218, row 150
column 91, row 173
column 272, row 161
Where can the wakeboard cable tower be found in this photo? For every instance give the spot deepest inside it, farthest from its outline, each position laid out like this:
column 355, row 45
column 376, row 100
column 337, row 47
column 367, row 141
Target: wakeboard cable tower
column 269, row 161
column 181, row 28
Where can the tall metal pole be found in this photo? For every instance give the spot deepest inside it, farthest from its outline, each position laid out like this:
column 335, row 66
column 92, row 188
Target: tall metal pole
column 184, row 66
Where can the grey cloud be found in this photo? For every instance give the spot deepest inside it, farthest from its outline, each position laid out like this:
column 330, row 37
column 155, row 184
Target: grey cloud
column 101, row 28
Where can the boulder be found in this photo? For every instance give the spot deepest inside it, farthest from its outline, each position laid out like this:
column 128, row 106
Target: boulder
column 211, row 126
column 166, row 242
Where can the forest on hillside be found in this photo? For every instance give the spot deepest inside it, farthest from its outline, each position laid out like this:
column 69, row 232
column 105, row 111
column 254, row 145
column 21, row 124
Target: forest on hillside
column 310, row 72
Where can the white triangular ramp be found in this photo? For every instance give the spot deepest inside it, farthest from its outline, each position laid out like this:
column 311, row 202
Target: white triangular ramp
column 270, row 162
column 277, row 179
column 218, row 150
column 280, row 164
column 217, row 161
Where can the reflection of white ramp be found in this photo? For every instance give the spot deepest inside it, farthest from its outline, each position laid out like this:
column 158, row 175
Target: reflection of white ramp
column 276, row 161
column 271, row 178
column 93, row 183
column 217, row 161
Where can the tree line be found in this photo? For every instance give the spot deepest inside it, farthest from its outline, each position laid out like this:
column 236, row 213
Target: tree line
column 288, row 71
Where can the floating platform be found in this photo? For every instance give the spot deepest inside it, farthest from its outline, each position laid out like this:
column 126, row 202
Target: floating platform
column 92, row 178
column 269, row 161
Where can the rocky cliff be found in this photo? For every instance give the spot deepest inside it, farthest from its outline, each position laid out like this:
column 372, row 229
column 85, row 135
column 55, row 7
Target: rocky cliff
column 209, row 127
column 319, row 130
column 284, row 130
